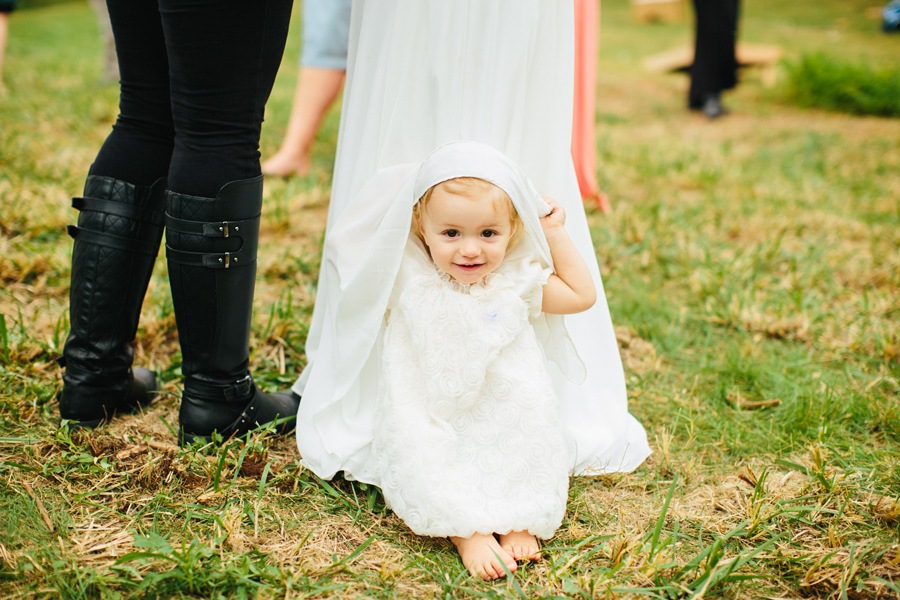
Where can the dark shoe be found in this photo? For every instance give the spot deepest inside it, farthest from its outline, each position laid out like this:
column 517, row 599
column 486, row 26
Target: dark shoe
column 199, row 417
column 712, row 107
column 140, row 392
column 211, row 250
column 116, row 242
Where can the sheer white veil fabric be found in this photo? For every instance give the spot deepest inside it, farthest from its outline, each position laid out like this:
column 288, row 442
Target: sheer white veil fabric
column 422, row 74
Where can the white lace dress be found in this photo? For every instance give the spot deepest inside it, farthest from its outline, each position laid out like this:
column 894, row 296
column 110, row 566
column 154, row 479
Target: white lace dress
column 468, row 436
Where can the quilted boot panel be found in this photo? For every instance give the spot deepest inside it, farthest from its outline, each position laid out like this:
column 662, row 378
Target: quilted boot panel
column 108, row 285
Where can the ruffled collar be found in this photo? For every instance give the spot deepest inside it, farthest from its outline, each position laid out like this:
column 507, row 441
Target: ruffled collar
column 487, row 284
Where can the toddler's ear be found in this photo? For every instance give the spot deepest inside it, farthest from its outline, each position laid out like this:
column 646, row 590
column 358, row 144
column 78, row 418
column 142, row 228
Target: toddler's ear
column 416, row 224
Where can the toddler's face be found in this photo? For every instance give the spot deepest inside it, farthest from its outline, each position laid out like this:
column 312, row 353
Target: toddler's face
column 466, row 235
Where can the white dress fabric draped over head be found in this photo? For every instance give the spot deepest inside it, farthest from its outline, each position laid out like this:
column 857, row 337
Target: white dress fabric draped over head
column 422, row 73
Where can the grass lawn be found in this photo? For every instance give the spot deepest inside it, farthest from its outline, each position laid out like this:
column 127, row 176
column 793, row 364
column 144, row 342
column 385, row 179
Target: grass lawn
column 752, row 267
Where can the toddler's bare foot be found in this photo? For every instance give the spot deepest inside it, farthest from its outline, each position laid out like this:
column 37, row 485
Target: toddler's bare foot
column 480, row 554
column 521, row 545
column 284, row 164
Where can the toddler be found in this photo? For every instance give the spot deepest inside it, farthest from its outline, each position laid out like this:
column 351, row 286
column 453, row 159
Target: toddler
column 468, row 439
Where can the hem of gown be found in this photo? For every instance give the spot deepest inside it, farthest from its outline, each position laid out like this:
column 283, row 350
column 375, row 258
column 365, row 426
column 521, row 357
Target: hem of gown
column 634, row 461
column 469, row 533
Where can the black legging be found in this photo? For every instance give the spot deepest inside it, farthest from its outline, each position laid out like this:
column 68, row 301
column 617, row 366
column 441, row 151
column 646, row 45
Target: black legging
column 715, row 65
column 195, row 77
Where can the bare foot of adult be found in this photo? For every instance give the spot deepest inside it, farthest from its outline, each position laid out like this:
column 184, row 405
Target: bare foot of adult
column 283, row 164
column 521, row 545
column 483, row 556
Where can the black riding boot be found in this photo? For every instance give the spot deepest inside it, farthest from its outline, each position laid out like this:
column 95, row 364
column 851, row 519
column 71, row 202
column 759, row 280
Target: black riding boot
column 116, row 242
column 211, row 250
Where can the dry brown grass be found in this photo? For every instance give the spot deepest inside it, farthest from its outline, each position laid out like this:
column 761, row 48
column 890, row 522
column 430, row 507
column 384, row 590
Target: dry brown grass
column 752, row 267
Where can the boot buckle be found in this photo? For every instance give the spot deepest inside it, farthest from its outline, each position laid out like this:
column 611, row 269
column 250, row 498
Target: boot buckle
column 227, row 259
column 226, row 227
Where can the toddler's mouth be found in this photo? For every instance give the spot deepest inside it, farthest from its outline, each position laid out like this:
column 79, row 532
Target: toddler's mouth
column 470, row 267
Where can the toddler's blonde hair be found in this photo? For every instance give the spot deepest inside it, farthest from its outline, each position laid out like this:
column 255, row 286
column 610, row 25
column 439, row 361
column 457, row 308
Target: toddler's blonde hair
column 470, row 187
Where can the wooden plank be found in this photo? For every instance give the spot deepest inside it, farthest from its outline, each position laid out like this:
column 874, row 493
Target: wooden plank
column 670, row 11
column 763, row 56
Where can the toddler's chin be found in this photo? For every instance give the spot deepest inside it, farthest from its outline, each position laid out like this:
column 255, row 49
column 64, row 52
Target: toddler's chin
column 468, row 277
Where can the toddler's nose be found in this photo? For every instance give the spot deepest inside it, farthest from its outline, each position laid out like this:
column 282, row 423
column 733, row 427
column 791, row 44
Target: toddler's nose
column 469, row 248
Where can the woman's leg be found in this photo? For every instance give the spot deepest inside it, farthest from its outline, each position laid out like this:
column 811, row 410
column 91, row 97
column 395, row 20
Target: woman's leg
column 317, row 89
column 119, row 229
column 223, row 57
column 323, row 61
column 715, row 66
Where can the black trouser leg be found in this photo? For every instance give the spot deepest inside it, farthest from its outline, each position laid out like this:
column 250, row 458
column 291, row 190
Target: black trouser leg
column 223, row 58
column 715, row 65
column 195, row 78
column 139, row 147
